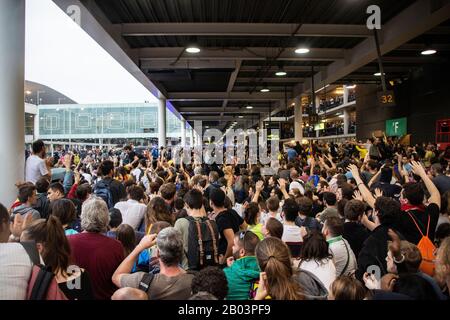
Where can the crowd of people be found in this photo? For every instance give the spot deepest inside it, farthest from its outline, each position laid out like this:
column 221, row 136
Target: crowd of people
column 350, row 221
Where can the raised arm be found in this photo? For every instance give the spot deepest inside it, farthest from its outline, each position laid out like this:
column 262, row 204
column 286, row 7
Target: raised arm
column 365, row 192
column 435, row 196
column 127, row 265
column 259, row 187
column 282, row 184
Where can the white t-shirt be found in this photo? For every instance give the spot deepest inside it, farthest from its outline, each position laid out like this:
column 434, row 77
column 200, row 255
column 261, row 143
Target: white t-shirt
column 35, row 168
column 291, row 233
column 266, row 216
column 324, row 270
column 132, row 212
column 340, row 257
column 15, row 271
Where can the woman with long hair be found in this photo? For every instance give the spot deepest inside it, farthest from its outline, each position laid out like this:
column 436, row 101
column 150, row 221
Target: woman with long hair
column 65, row 211
column 276, row 280
column 54, row 249
column 126, row 235
column 316, row 258
column 157, row 210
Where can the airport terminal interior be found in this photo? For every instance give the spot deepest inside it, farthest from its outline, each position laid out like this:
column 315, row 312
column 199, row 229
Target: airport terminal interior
column 225, row 149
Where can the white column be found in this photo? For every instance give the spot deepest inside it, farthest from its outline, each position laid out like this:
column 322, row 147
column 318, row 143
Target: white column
column 12, row 105
column 298, row 120
column 162, row 122
column 183, row 133
column 191, row 138
column 346, row 93
column 36, row 126
column 346, row 121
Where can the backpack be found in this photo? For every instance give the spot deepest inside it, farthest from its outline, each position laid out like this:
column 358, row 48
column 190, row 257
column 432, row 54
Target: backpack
column 42, row 284
column 102, row 190
column 426, row 248
column 203, row 237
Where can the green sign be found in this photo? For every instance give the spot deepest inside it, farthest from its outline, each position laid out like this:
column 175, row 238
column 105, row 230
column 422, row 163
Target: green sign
column 396, row 127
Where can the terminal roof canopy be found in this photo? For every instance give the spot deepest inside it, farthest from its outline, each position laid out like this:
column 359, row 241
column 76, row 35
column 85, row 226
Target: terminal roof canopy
column 243, row 43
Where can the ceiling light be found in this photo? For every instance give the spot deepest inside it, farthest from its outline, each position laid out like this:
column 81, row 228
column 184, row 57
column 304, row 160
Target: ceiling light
column 264, row 88
column 281, row 73
column 428, row 52
column 302, row 50
column 249, row 107
column 341, row 116
column 192, row 50
column 378, row 74
column 28, row 92
column 207, row 127
column 353, row 86
column 240, row 117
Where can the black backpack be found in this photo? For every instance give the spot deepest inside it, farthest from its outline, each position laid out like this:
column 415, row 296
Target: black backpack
column 102, row 190
column 45, row 275
column 203, row 237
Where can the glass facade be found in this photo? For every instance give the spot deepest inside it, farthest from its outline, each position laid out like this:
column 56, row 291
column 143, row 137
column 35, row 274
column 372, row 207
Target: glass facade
column 104, row 121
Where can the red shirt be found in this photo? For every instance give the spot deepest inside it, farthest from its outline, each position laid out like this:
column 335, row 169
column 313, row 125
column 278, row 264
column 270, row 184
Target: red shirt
column 100, row 256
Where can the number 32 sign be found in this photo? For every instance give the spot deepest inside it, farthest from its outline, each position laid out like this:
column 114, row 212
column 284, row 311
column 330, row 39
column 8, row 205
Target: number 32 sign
column 386, row 98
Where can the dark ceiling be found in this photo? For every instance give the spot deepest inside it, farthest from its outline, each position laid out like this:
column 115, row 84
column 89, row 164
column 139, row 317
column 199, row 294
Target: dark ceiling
column 234, row 63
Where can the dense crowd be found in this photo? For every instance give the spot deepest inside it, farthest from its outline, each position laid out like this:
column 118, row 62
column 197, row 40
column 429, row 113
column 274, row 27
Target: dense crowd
column 349, row 221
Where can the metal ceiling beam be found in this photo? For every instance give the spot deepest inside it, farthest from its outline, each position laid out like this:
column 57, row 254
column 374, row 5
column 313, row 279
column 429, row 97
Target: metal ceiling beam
column 275, row 80
column 214, row 118
column 188, row 64
column 243, row 29
column 248, row 53
column 212, row 96
column 285, row 68
column 231, row 83
column 415, row 20
column 215, row 109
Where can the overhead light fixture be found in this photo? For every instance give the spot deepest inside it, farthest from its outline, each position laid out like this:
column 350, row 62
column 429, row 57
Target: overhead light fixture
column 265, row 88
column 428, row 52
column 341, row 116
column 240, row 117
column 28, row 92
column 281, row 73
column 249, row 107
column 353, row 86
column 192, row 50
column 302, row 50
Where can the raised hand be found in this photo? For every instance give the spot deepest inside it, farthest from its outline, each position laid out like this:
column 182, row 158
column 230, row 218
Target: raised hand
column 378, row 193
column 357, row 195
column 259, row 186
column 148, row 241
column 418, row 169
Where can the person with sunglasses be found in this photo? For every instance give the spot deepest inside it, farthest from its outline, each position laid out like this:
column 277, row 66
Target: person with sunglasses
column 242, row 268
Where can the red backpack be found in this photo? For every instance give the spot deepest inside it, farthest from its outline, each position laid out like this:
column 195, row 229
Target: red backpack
column 426, row 248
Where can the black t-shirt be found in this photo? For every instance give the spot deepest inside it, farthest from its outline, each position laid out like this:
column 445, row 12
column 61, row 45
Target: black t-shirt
column 228, row 219
column 355, row 234
column 408, row 228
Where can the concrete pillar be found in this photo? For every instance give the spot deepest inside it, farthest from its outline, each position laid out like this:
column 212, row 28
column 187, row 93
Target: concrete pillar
column 191, row 138
column 298, row 120
column 346, row 121
column 12, row 105
column 183, row 132
column 162, row 122
column 346, row 94
column 36, row 126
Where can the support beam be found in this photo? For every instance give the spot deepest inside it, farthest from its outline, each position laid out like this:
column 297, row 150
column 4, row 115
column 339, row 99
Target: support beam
column 203, row 110
column 213, row 118
column 214, row 96
column 273, row 80
column 162, row 122
column 419, row 17
column 248, row 53
column 285, row 68
column 183, row 133
column 243, row 29
column 187, row 64
column 231, row 82
column 12, row 106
